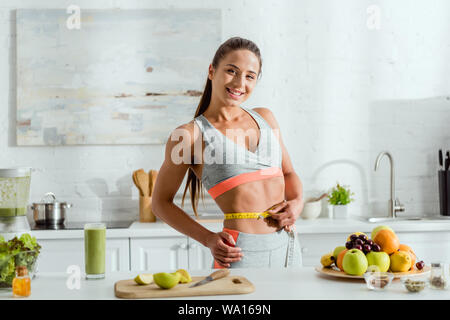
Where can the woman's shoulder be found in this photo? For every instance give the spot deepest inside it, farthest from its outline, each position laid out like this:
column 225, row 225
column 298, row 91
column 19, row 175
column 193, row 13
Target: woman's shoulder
column 186, row 129
column 267, row 115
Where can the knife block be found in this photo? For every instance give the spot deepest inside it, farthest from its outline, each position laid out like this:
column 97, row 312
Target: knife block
column 444, row 192
column 145, row 209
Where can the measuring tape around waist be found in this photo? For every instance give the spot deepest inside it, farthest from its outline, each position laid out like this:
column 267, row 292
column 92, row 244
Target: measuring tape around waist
column 251, row 215
column 247, row 215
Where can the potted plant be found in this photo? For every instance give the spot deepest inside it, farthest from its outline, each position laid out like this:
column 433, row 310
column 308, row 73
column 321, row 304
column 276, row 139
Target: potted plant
column 339, row 197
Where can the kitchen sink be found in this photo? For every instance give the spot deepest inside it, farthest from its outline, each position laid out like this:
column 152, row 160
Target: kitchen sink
column 404, row 218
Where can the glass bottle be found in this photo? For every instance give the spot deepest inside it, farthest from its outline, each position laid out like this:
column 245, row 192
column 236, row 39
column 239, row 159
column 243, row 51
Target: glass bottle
column 437, row 276
column 21, row 284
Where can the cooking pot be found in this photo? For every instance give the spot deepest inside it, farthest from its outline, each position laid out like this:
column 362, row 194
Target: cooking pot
column 50, row 213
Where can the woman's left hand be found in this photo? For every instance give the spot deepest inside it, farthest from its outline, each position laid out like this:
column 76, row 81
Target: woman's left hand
column 286, row 213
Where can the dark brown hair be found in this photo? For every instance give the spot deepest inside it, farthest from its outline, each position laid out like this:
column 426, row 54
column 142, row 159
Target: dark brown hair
column 232, row 44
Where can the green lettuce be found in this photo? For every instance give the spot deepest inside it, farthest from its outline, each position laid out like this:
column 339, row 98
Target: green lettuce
column 21, row 251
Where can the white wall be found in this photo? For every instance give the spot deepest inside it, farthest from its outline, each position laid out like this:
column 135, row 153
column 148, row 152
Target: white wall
column 341, row 91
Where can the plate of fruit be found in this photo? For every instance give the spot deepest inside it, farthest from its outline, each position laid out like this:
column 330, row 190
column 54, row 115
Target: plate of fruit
column 382, row 252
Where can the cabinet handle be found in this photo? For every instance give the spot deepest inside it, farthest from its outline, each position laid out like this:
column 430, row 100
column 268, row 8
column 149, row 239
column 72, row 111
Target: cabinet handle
column 183, row 246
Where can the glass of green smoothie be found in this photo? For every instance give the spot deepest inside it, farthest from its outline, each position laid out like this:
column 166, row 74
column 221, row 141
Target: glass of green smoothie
column 94, row 250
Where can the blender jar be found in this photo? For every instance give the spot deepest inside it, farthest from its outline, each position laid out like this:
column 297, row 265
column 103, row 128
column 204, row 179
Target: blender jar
column 14, row 191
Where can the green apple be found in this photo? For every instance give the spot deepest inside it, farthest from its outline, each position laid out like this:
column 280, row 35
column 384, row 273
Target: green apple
column 355, row 262
column 376, row 229
column 166, row 280
column 380, row 259
column 336, row 251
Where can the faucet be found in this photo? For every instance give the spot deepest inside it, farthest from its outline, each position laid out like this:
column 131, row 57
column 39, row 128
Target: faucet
column 394, row 205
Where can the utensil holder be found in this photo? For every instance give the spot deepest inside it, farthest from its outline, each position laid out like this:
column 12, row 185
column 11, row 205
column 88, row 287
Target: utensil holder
column 145, row 210
column 444, row 192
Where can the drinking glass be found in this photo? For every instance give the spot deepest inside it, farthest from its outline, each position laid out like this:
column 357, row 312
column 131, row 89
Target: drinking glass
column 94, row 250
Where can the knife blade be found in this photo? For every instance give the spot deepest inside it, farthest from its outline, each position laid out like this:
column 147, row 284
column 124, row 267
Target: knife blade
column 213, row 276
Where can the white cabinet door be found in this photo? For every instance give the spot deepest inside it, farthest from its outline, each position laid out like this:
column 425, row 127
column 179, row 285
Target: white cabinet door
column 117, row 255
column 428, row 246
column 313, row 246
column 159, row 254
column 200, row 257
column 58, row 254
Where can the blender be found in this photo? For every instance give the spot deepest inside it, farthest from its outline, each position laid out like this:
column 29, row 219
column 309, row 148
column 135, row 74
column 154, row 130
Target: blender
column 14, row 196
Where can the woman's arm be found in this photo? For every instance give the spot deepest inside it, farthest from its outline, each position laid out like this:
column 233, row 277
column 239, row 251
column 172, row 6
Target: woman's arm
column 170, row 177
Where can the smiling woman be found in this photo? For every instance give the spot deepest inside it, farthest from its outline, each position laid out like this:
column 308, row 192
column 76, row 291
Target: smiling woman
column 258, row 190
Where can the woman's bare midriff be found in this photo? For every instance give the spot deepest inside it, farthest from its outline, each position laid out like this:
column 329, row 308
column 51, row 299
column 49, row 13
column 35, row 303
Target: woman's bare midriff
column 255, row 196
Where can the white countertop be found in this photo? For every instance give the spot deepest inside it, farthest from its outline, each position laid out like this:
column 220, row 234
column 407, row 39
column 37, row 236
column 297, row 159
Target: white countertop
column 321, row 225
column 285, row 284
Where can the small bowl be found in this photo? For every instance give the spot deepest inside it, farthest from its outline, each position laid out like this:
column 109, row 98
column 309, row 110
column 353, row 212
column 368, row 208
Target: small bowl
column 378, row 281
column 311, row 209
column 416, row 283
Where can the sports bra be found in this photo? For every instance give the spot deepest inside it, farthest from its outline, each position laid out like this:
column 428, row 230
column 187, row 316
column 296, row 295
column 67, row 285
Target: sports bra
column 227, row 164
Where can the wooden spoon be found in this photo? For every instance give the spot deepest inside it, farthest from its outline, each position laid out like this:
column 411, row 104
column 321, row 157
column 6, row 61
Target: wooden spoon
column 150, row 183
column 136, row 183
column 153, row 176
column 142, row 179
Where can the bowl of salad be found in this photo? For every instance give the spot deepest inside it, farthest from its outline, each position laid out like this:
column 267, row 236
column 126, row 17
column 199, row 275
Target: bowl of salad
column 22, row 251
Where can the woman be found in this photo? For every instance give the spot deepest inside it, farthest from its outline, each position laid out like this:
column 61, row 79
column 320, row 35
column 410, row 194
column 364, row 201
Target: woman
column 245, row 187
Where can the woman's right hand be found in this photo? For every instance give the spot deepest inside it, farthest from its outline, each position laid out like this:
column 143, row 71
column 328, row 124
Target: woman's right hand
column 223, row 248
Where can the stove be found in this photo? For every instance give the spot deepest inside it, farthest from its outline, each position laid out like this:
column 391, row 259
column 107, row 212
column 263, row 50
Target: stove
column 77, row 225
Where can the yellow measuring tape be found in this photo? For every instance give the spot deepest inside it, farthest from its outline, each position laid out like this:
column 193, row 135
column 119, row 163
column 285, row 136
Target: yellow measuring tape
column 247, row 215
column 250, row 215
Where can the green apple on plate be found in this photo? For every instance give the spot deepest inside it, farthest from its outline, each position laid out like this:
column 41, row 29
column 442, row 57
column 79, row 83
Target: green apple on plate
column 355, row 262
column 380, row 259
column 336, row 251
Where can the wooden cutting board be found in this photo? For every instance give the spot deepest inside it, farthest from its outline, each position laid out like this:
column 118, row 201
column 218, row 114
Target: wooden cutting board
column 128, row 289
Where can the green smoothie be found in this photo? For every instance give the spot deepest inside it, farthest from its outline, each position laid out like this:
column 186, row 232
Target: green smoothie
column 12, row 212
column 94, row 249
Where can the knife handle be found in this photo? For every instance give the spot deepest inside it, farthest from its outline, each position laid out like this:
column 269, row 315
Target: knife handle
column 222, row 273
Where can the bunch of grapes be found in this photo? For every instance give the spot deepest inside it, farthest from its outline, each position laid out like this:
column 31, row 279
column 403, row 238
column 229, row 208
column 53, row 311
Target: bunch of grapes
column 361, row 242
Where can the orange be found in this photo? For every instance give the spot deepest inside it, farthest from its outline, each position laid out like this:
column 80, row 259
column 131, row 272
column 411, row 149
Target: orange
column 387, row 240
column 404, row 247
column 340, row 258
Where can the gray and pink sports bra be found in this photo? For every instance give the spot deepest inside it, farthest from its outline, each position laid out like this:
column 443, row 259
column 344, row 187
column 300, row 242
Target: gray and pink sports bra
column 227, row 164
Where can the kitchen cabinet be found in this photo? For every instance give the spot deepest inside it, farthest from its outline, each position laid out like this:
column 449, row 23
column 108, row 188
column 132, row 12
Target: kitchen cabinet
column 58, row 254
column 313, row 246
column 159, row 253
column 200, row 257
column 169, row 253
column 152, row 247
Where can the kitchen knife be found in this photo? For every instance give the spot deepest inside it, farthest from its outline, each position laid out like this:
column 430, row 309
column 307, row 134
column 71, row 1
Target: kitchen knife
column 447, row 161
column 441, row 161
column 213, row 276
